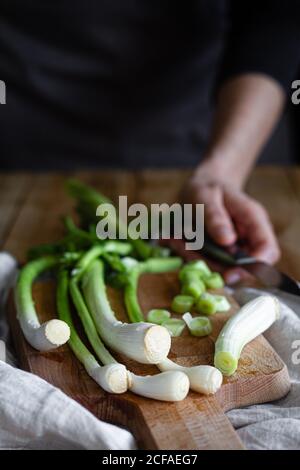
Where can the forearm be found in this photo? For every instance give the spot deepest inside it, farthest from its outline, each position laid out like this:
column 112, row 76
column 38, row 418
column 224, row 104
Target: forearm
column 248, row 107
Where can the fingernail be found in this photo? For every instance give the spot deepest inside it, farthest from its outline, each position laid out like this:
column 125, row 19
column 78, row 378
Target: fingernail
column 225, row 235
column 232, row 278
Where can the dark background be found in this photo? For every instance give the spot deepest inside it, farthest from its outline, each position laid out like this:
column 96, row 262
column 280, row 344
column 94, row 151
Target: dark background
column 283, row 148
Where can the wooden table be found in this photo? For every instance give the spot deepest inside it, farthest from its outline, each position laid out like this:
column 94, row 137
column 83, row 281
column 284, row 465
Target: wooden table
column 31, row 207
column 31, row 204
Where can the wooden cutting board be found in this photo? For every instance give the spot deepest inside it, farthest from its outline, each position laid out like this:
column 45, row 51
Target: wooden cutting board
column 198, row 422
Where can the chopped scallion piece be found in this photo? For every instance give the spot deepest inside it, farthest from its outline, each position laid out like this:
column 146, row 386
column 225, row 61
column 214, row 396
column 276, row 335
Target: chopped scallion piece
column 214, row 281
column 182, row 303
column 193, row 288
column 198, row 266
column 222, row 303
column 198, row 326
column 188, row 274
column 206, row 304
column 158, row 316
column 174, row 326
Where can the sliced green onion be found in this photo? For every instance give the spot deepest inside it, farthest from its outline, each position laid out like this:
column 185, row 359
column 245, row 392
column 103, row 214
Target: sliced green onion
column 198, row 266
column 206, row 304
column 174, row 326
column 222, row 303
column 182, row 303
column 214, row 281
column 201, row 266
column 198, row 326
column 158, row 316
column 188, row 274
column 193, row 288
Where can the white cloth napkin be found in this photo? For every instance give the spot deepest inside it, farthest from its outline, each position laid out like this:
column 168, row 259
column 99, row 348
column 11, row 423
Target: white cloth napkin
column 36, row 415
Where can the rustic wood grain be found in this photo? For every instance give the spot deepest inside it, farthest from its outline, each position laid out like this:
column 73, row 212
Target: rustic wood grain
column 40, row 217
column 199, row 421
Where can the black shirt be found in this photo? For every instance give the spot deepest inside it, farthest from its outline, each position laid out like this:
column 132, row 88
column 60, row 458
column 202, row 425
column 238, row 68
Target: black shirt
column 129, row 82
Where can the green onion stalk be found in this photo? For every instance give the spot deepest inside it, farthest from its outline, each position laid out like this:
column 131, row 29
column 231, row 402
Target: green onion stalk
column 153, row 265
column 88, row 200
column 131, row 340
column 112, row 376
column 50, row 334
column 143, row 342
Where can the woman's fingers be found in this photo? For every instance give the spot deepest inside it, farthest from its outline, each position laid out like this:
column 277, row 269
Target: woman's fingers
column 255, row 226
column 235, row 275
column 231, row 215
column 218, row 222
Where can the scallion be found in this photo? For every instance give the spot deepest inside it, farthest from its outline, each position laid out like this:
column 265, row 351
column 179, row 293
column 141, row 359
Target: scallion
column 112, row 377
column 175, row 326
column 198, row 326
column 50, row 334
column 193, row 288
column 206, row 304
column 250, row 321
column 142, row 341
column 223, row 304
column 214, row 281
column 182, row 303
column 158, row 316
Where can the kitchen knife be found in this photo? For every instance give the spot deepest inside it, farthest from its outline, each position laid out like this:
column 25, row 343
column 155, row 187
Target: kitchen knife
column 234, row 256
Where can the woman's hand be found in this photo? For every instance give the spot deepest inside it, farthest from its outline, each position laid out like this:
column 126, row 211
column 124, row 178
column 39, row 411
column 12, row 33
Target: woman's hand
column 231, row 216
column 248, row 107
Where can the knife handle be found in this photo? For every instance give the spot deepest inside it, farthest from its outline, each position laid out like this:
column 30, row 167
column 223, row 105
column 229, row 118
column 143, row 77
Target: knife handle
column 231, row 255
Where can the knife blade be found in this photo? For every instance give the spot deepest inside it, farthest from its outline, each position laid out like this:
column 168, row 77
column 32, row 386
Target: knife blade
column 265, row 273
